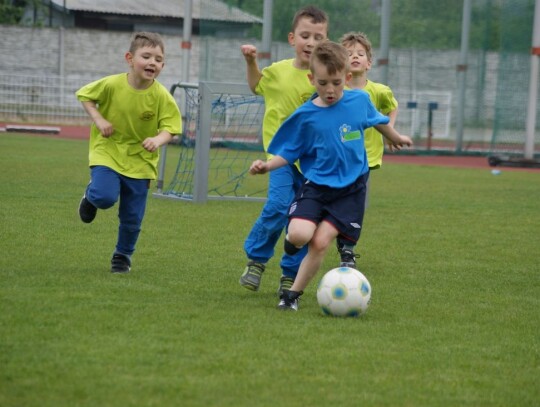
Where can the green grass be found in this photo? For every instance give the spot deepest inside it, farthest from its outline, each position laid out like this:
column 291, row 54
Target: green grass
column 452, row 256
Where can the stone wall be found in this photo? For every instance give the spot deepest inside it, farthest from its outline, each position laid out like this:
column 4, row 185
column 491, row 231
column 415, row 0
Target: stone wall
column 90, row 54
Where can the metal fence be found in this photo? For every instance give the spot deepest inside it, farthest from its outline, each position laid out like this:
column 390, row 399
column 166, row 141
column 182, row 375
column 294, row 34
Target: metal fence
column 40, row 100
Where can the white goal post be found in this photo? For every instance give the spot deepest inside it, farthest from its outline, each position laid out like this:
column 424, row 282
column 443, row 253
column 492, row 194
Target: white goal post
column 221, row 137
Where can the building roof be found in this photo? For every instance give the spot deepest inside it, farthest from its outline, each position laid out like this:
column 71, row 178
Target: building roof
column 211, row 9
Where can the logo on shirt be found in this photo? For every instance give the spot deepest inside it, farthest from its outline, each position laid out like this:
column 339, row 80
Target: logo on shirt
column 146, row 116
column 347, row 134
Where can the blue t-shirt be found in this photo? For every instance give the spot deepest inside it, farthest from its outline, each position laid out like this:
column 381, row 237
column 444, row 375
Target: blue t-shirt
column 329, row 141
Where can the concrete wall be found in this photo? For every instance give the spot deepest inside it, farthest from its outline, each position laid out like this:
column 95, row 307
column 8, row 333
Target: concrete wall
column 91, row 54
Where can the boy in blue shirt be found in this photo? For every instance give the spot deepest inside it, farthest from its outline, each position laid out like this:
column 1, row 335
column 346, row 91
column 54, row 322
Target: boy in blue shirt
column 284, row 86
column 327, row 135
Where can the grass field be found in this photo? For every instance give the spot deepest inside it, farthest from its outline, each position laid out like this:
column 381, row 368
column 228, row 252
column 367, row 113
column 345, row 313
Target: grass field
column 452, row 256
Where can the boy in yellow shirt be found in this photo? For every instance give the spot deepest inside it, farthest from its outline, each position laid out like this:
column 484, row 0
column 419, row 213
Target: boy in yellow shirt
column 133, row 115
column 360, row 58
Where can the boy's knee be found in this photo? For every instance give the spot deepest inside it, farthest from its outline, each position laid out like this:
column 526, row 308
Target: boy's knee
column 102, row 201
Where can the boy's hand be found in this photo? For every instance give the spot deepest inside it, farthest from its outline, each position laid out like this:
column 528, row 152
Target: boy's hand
column 404, row 141
column 390, row 146
column 250, row 52
column 258, row 167
column 151, row 144
column 105, row 128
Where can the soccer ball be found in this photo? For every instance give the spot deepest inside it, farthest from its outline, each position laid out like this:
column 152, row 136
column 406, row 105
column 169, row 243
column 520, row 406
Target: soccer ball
column 344, row 291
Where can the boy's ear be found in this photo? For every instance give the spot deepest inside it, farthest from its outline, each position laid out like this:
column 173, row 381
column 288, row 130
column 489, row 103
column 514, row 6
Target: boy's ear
column 311, row 78
column 290, row 38
column 348, row 76
column 129, row 58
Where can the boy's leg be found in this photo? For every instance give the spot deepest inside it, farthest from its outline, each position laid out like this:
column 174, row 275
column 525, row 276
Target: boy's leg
column 318, row 246
column 261, row 241
column 291, row 263
column 346, row 247
column 133, row 197
column 101, row 193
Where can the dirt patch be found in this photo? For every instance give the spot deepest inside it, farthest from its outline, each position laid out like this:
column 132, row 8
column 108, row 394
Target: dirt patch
column 449, row 161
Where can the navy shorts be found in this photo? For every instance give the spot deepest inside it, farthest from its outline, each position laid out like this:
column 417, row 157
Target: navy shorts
column 342, row 207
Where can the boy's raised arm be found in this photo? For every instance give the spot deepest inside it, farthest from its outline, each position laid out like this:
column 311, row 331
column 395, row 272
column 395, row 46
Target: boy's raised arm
column 253, row 72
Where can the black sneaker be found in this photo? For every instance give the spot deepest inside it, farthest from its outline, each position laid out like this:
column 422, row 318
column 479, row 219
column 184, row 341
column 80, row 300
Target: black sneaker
column 87, row 211
column 285, row 283
column 348, row 258
column 289, row 300
column 120, row 264
column 251, row 278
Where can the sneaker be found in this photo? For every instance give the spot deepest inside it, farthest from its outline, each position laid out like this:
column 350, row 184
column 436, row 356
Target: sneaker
column 289, row 300
column 87, row 211
column 285, row 283
column 251, row 278
column 348, row 258
column 120, row 264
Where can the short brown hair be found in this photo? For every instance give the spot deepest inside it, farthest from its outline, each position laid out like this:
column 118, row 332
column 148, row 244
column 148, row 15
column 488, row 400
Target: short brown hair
column 332, row 55
column 352, row 38
column 315, row 14
column 145, row 39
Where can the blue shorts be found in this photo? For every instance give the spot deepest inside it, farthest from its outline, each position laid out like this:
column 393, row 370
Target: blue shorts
column 342, row 207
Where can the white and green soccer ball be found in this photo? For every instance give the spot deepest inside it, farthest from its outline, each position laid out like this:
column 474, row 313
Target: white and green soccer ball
column 344, row 291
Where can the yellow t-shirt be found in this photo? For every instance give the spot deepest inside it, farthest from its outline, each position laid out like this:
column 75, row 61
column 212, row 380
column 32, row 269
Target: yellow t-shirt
column 284, row 89
column 135, row 115
column 384, row 101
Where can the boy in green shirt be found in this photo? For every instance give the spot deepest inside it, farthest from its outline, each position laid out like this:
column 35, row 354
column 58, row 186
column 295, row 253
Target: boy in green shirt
column 133, row 115
column 284, row 86
column 360, row 58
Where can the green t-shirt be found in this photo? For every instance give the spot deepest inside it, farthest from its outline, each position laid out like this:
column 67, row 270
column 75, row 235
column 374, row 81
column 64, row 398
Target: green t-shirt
column 135, row 116
column 384, row 101
column 284, row 89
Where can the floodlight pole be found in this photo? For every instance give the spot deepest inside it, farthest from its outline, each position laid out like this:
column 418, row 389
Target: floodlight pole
column 265, row 56
column 61, row 54
column 383, row 61
column 533, row 85
column 461, row 69
column 186, row 51
column 186, row 40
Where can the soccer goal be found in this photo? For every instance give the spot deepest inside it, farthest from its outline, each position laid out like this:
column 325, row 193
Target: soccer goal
column 221, row 137
column 428, row 113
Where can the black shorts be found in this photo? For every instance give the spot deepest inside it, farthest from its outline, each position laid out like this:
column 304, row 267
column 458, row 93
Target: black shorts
column 342, row 207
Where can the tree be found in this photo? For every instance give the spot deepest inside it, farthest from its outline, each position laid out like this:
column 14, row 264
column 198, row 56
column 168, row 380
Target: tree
column 414, row 23
column 12, row 11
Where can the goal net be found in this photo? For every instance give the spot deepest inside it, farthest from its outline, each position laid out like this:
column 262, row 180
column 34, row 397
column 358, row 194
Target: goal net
column 221, row 138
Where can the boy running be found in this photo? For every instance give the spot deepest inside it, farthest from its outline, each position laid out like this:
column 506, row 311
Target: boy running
column 327, row 135
column 284, row 86
column 133, row 115
column 360, row 58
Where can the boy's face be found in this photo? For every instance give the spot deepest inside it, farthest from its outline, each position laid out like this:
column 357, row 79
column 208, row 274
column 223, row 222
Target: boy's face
column 304, row 38
column 358, row 58
column 329, row 87
column 146, row 64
